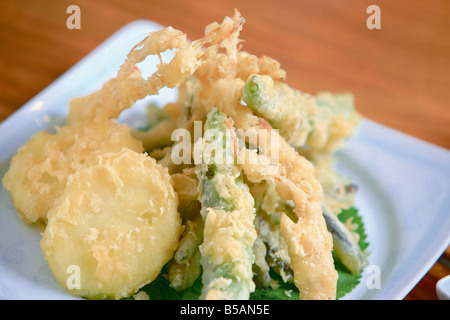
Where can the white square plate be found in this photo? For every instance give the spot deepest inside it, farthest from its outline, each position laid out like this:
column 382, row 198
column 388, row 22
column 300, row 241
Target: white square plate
column 404, row 186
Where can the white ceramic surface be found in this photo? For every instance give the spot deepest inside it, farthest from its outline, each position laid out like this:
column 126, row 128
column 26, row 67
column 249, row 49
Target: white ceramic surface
column 404, row 185
column 443, row 288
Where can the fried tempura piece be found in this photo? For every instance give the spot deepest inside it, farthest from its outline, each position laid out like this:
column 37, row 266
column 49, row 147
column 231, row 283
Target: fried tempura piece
column 322, row 122
column 128, row 86
column 185, row 266
column 228, row 212
column 268, row 205
column 39, row 171
column 309, row 242
column 117, row 221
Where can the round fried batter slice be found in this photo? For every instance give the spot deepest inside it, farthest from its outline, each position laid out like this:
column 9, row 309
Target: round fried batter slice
column 114, row 227
column 38, row 172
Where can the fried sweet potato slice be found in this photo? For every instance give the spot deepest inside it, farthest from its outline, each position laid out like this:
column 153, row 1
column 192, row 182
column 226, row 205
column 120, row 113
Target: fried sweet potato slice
column 116, row 222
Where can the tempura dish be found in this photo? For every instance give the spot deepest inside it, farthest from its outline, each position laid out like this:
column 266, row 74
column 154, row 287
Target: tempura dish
column 229, row 193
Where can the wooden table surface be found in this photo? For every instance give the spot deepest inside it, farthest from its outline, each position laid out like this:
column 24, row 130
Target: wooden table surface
column 399, row 74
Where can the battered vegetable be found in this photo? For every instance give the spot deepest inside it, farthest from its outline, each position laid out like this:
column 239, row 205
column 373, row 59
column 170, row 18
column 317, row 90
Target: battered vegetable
column 39, row 171
column 228, row 211
column 116, row 222
column 308, row 241
column 321, row 122
column 268, row 206
column 128, row 86
column 345, row 245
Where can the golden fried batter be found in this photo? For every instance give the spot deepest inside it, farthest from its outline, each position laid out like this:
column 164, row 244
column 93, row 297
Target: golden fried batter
column 38, row 172
column 117, row 221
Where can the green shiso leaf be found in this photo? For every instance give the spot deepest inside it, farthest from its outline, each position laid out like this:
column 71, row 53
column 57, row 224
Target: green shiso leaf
column 356, row 219
column 347, row 282
column 281, row 290
column 159, row 289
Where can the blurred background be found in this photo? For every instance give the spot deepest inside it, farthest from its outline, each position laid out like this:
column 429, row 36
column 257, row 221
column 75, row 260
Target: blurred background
column 399, row 74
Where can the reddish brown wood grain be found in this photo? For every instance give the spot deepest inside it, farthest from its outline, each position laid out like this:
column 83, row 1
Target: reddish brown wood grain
column 399, row 74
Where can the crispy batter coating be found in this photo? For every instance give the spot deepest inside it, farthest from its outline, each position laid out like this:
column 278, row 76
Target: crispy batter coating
column 128, row 86
column 294, row 178
column 117, row 221
column 38, row 172
column 320, row 123
column 308, row 240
